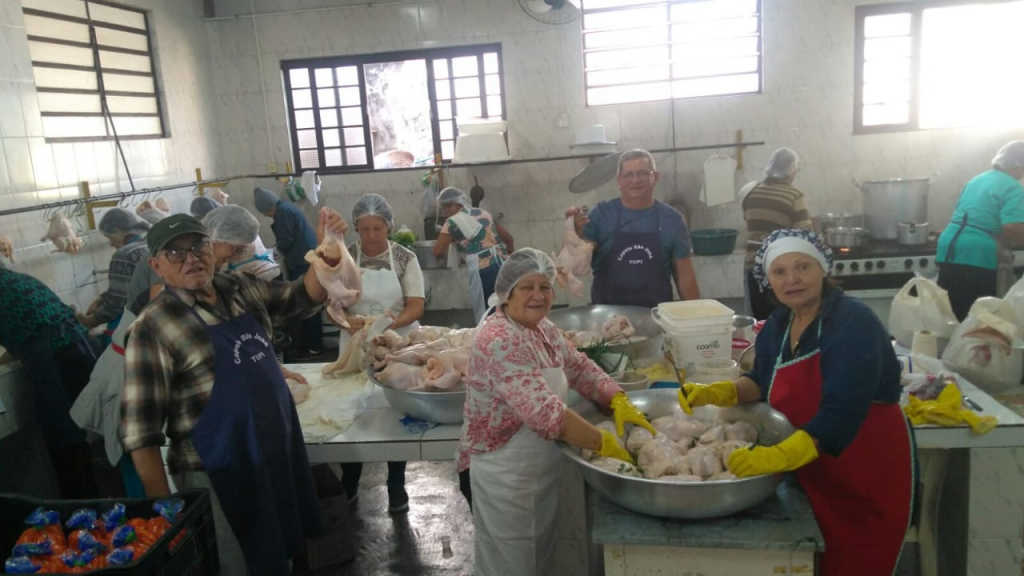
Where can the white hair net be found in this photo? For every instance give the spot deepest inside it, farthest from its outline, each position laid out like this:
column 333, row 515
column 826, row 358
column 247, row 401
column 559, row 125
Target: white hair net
column 232, row 225
column 121, row 221
column 519, row 265
column 1010, row 156
column 783, row 163
column 374, row 205
column 451, row 195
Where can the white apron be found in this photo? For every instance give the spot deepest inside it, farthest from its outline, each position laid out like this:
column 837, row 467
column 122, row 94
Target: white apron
column 515, row 500
column 382, row 291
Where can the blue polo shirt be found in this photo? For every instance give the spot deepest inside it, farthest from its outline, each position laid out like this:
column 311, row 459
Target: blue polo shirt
column 990, row 201
column 611, row 216
column 858, row 365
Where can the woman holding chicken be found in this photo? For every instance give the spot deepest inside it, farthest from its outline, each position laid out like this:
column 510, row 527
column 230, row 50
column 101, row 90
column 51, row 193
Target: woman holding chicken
column 519, row 377
column 825, row 361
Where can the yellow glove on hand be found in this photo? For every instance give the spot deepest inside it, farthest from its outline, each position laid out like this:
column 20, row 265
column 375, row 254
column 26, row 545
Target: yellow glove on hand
column 624, row 411
column 611, row 448
column 717, row 394
column 794, row 452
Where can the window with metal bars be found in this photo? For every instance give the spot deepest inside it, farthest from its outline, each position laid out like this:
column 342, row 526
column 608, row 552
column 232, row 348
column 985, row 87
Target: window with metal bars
column 937, row 64
column 647, row 50
column 94, row 71
column 388, row 110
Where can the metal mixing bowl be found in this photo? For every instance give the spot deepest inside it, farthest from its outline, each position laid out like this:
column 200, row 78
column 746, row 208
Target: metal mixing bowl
column 436, row 407
column 592, row 318
column 693, row 500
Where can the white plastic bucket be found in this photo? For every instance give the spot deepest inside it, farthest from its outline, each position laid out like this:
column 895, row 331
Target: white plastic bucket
column 691, row 314
column 688, row 347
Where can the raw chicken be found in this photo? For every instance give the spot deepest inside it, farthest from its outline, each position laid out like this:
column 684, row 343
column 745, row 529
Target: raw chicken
column 427, row 334
column 616, row 466
column 387, row 343
column 458, row 358
column 573, row 261
column 741, row 432
column 617, row 327
column 299, row 390
column 704, row 461
column 353, row 358
column 683, row 446
column 659, row 457
column 581, row 339
column 681, row 478
column 678, row 428
column 726, row 448
column 439, row 376
column 413, row 355
column 400, row 376
column 636, row 439
column 714, row 436
column 722, row 476
column 610, row 427
column 63, row 235
column 161, row 203
column 6, row 247
column 338, row 274
column 462, row 338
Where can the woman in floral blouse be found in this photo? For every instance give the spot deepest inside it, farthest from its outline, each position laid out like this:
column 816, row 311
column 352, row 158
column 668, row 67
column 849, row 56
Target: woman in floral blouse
column 519, row 376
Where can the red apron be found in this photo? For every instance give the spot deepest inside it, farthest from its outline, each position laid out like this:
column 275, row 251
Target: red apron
column 862, row 500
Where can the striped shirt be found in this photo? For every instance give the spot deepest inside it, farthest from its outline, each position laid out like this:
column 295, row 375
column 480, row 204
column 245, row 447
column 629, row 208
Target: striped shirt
column 169, row 360
column 772, row 205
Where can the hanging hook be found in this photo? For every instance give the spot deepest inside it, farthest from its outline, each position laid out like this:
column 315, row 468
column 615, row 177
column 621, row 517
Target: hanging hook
column 124, row 201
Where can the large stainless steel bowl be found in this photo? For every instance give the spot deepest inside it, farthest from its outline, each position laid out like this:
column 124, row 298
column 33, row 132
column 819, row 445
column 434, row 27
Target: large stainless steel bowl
column 592, row 318
column 694, row 500
column 436, row 407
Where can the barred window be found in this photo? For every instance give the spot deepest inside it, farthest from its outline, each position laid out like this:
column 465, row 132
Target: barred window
column 645, row 50
column 94, row 72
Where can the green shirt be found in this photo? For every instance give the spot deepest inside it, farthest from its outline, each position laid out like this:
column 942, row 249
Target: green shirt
column 29, row 309
column 989, row 201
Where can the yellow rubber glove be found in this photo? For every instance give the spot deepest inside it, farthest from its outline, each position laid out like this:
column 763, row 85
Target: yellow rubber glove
column 624, row 411
column 794, row 452
column 717, row 394
column 610, row 447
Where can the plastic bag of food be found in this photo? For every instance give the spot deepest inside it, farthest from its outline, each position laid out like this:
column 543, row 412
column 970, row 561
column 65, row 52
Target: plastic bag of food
column 981, row 349
column 928, row 310
column 44, row 526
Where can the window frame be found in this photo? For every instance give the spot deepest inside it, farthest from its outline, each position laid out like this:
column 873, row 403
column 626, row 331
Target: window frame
column 916, row 10
column 95, row 47
column 359, row 61
column 668, row 43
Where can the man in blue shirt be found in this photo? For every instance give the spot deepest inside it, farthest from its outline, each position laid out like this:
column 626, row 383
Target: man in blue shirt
column 641, row 244
column 294, row 238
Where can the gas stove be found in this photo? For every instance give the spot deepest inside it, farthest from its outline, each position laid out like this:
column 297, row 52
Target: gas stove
column 882, row 257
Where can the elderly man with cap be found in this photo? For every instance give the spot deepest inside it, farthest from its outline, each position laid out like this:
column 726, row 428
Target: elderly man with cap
column 988, row 220
column 201, row 372
column 772, row 204
column 640, row 244
column 825, row 361
column 294, row 238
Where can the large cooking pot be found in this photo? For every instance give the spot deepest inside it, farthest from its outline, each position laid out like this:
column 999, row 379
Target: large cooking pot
column 838, row 220
column 846, row 237
column 889, row 202
column 424, row 250
column 913, row 233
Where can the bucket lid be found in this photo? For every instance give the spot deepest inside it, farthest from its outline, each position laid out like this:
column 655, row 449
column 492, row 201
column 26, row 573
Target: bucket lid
column 683, row 310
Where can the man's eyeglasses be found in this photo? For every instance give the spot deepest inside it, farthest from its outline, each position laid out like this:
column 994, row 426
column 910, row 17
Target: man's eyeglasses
column 179, row 255
column 639, row 175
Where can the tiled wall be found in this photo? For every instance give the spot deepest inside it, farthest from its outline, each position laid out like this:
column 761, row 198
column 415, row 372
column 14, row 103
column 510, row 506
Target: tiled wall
column 34, row 172
column 807, row 104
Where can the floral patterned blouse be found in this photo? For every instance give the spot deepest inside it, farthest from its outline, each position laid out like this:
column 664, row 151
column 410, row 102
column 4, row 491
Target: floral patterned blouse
column 506, row 389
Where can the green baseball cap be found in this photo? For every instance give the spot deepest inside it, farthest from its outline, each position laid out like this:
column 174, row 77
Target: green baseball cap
column 170, row 228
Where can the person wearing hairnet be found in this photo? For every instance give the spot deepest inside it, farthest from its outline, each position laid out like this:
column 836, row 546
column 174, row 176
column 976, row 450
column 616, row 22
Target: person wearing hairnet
column 825, row 361
column 236, row 242
column 393, row 285
column 126, row 232
column 772, row 204
column 988, row 220
column 482, row 242
column 640, row 244
column 294, row 238
column 202, row 205
column 519, row 377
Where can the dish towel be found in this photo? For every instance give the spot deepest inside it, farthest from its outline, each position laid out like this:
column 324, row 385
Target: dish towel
column 719, row 185
column 311, row 185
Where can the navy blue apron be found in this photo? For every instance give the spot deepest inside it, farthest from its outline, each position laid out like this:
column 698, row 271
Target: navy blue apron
column 633, row 272
column 251, row 446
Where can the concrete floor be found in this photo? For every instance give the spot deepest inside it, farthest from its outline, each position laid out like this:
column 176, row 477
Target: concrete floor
column 410, row 543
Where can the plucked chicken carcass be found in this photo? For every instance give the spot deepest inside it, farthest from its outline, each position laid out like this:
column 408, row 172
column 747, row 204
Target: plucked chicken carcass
column 573, row 261
column 425, row 334
column 338, row 274
column 63, row 235
column 617, row 327
column 439, row 376
column 400, row 376
column 704, row 461
column 387, row 343
column 355, row 356
column 677, row 428
column 660, row 457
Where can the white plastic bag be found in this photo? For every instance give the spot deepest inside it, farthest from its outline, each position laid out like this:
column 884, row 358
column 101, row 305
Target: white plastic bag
column 929, row 310
column 1014, row 302
column 981, row 350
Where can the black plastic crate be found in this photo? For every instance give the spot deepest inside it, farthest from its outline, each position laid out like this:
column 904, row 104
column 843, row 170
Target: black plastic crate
column 194, row 555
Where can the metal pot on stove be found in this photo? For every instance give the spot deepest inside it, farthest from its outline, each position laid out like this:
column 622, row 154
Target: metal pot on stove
column 844, row 237
column 913, row 233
